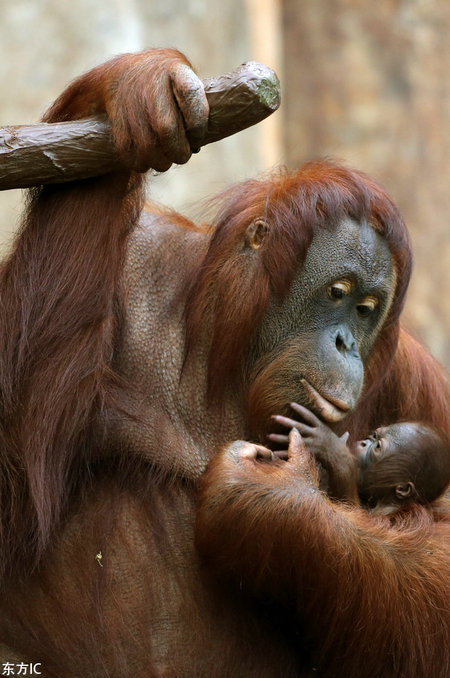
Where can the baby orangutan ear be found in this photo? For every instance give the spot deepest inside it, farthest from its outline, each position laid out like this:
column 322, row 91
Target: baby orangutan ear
column 405, row 491
column 255, row 234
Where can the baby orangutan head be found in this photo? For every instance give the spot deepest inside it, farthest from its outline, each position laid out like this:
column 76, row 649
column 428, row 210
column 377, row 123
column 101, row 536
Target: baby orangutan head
column 400, row 464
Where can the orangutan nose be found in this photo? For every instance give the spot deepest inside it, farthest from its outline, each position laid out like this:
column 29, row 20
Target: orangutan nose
column 345, row 342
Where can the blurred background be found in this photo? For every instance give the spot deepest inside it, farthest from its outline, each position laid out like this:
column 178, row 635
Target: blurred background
column 365, row 82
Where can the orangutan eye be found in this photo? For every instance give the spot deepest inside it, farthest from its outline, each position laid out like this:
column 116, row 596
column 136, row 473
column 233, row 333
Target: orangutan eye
column 339, row 289
column 367, row 306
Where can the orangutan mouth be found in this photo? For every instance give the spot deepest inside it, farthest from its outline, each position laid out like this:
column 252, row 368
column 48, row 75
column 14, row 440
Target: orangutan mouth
column 330, row 409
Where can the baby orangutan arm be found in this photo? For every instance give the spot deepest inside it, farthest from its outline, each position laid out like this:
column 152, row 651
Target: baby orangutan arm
column 329, row 450
column 367, row 592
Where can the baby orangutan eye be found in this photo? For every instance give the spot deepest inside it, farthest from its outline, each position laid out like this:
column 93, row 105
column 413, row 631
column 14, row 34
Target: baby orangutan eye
column 339, row 289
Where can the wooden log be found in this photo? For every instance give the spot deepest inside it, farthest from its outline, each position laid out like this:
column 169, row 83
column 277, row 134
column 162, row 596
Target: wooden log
column 66, row 151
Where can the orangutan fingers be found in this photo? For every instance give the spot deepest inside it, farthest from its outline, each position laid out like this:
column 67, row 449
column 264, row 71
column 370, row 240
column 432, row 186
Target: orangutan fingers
column 190, row 95
column 301, row 460
column 281, row 454
column 168, row 127
column 309, row 417
column 243, row 450
column 297, row 449
column 291, row 423
column 278, row 438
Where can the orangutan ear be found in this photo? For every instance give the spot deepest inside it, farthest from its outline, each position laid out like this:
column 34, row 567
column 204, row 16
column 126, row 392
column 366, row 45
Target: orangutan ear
column 255, row 234
column 405, row 491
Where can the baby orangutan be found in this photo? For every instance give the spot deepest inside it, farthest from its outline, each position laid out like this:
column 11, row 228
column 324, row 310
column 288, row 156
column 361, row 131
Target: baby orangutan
column 399, row 464
column 369, row 590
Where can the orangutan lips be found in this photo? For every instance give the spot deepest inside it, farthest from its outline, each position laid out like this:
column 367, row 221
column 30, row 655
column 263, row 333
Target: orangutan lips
column 330, row 410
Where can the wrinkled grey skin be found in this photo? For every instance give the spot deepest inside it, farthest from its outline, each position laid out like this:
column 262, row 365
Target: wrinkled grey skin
column 350, row 251
column 321, row 340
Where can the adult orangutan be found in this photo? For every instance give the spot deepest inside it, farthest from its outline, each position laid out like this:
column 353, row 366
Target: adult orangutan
column 132, row 348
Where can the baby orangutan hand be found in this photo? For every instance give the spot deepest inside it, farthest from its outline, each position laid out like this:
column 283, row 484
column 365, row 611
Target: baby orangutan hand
column 329, row 450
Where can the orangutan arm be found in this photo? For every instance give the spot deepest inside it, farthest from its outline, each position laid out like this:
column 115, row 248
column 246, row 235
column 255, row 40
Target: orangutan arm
column 62, row 285
column 362, row 588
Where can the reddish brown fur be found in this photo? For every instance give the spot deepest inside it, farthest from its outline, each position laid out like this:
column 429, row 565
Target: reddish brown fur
column 371, row 595
column 60, row 322
column 58, row 317
column 60, row 307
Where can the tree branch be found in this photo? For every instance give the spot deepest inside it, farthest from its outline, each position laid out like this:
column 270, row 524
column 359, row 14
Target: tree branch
column 66, row 151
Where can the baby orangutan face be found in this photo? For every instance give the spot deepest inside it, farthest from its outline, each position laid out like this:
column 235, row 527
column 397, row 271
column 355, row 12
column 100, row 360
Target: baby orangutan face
column 387, row 440
column 401, row 463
